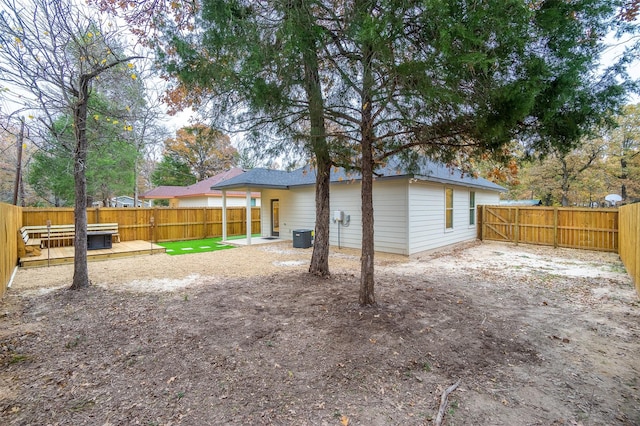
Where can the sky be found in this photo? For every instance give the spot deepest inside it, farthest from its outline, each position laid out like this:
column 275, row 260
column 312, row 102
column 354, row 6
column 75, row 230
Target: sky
column 614, row 52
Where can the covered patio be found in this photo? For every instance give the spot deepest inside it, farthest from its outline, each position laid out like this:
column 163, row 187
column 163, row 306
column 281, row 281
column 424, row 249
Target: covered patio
column 251, row 240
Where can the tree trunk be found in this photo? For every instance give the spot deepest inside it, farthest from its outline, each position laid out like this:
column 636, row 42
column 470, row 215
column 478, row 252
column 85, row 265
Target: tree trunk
column 565, row 185
column 135, row 181
column 367, row 296
column 308, row 42
column 80, row 267
column 320, row 257
column 18, row 182
column 623, row 176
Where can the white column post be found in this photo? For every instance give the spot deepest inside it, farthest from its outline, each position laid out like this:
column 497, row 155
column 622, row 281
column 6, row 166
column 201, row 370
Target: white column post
column 248, row 217
column 224, row 215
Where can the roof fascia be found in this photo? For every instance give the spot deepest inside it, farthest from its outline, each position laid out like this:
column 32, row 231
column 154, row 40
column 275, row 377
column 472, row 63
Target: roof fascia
column 245, row 187
column 457, row 182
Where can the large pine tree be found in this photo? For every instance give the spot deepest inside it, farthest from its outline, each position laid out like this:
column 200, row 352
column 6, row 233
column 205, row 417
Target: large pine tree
column 448, row 80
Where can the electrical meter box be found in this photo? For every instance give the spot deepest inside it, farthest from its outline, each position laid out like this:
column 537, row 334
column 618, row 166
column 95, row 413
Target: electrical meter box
column 338, row 216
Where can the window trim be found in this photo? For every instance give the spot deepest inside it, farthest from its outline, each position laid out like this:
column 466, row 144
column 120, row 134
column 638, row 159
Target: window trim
column 472, row 209
column 448, row 210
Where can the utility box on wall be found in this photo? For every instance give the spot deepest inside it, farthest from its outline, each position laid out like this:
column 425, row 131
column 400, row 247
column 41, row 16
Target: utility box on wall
column 302, row 238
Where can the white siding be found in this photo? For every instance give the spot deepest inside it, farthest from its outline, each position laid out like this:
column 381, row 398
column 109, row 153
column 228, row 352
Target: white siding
column 389, row 205
column 345, row 197
column 427, row 215
column 486, row 198
column 297, row 210
column 408, row 217
column 391, row 221
column 195, row 202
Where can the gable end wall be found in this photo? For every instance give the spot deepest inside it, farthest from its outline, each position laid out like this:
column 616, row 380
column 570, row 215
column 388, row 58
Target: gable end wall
column 427, row 215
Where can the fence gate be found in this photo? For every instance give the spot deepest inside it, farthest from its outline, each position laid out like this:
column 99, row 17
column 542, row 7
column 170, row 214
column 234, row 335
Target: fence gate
column 497, row 224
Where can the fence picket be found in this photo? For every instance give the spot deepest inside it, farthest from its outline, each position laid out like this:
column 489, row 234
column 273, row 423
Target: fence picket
column 170, row 224
column 629, row 222
column 11, row 222
column 594, row 229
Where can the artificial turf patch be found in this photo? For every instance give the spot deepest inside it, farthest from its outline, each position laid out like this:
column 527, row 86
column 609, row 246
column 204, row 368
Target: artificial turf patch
column 194, row 246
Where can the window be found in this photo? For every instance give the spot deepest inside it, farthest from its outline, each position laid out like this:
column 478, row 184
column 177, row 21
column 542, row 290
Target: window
column 448, row 207
column 472, row 208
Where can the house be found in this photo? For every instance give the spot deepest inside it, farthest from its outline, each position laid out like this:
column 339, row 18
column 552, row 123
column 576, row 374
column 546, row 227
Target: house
column 413, row 211
column 200, row 193
column 127, row 201
column 122, row 201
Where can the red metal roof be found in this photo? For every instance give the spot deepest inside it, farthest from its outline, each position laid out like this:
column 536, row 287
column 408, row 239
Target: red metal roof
column 198, row 189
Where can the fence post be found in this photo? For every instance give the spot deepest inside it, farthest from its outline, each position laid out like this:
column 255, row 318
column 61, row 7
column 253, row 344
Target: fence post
column 151, row 229
column 636, row 250
column 516, row 231
column 204, row 222
column 484, row 223
column 555, row 227
column 154, row 212
column 480, row 217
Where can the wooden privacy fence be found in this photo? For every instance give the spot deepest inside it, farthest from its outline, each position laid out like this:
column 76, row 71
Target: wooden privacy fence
column 630, row 241
column 169, row 224
column 10, row 222
column 592, row 229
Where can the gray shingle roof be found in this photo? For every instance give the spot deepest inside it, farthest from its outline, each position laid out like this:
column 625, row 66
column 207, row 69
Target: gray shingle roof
column 426, row 170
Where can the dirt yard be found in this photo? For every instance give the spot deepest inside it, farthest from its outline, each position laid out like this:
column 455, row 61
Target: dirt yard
column 535, row 335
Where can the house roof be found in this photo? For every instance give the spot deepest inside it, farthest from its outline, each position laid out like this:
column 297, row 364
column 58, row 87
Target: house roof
column 198, row 189
column 532, row 202
column 163, row 192
column 425, row 171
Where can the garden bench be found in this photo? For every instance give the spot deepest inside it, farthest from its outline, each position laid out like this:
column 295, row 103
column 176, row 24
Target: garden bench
column 62, row 235
column 28, row 246
column 57, row 235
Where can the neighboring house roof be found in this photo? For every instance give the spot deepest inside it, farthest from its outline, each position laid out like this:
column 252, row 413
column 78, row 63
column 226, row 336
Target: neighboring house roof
column 425, row 171
column 123, row 199
column 521, row 202
column 198, row 189
column 163, row 192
